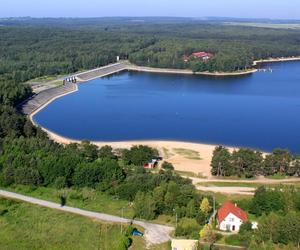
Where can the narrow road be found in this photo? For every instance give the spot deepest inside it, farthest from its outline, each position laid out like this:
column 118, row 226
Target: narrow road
column 154, row 233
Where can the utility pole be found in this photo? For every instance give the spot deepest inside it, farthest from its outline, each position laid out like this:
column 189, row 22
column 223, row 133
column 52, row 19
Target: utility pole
column 214, row 199
column 122, row 219
column 175, row 216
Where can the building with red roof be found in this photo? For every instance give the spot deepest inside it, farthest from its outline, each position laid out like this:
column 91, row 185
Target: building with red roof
column 199, row 55
column 202, row 55
column 230, row 217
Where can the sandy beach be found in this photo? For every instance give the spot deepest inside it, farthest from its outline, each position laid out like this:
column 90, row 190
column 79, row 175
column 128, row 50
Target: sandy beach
column 185, row 156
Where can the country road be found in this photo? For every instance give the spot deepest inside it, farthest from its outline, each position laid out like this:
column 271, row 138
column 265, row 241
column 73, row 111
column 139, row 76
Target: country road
column 154, row 233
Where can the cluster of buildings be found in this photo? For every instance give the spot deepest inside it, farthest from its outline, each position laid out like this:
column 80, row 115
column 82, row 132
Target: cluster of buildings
column 205, row 56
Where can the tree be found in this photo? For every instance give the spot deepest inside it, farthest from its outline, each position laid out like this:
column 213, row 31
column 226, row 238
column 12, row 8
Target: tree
column 247, row 162
column 167, row 166
column 144, row 206
column 205, row 206
column 139, row 155
column 207, row 234
column 106, row 152
column 220, row 163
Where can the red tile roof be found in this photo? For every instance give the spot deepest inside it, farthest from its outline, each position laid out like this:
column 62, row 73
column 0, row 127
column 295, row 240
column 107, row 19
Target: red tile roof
column 229, row 207
column 202, row 54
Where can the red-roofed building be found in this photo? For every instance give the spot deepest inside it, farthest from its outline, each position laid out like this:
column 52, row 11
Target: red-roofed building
column 230, row 217
column 202, row 55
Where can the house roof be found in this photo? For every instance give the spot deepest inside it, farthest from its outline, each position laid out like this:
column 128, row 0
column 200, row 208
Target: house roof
column 227, row 208
column 202, row 54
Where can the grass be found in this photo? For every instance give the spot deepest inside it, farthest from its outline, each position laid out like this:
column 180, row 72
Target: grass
column 221, row 198
column 246, row 184
column 190, row 174
column 85, row 198
column 188, row 153
column 88, row 199
column 26, row 226
column 44, row 79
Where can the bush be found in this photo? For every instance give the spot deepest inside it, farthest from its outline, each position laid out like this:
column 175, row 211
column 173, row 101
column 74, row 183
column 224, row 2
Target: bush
column 167, row 166
column 188, row 228
column 60, row 182
column 233, row 240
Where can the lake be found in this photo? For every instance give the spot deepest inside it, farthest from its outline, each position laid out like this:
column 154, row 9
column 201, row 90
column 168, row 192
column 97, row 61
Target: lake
column 261, row 110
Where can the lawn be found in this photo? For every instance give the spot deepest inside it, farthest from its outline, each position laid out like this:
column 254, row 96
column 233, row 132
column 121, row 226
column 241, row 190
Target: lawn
column 26, row 226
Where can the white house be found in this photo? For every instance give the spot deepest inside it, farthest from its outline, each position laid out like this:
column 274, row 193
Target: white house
column 230, row 217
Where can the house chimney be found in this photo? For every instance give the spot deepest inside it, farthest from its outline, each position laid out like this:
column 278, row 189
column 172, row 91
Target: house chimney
column 235, row 204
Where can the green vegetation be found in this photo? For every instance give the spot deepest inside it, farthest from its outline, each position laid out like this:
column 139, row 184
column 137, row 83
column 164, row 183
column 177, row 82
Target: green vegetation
column 278, row 214
column 25, row 226
column 188, row 153
column 249, row 163
column 85, row 198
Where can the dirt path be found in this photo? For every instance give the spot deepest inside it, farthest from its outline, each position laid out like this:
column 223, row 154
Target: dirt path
column 259, row 180
column 241, row 190
column 154, row 233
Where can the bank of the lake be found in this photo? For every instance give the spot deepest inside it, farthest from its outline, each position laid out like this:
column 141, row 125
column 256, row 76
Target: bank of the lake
column 256, row 111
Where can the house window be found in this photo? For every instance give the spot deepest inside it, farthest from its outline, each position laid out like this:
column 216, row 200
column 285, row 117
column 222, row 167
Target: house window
column 231, row 219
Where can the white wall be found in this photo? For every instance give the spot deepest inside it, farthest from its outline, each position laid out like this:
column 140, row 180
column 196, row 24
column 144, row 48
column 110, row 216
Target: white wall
column 231, row 222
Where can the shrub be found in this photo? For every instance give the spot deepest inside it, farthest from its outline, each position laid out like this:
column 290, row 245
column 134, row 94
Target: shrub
column 188, row 228
column 167, row 166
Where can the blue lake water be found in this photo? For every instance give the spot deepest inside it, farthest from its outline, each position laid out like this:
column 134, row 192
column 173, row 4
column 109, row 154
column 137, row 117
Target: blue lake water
column 261, row 110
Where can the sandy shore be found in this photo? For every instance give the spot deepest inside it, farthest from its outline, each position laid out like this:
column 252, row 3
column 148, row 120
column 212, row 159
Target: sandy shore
column 187, row 71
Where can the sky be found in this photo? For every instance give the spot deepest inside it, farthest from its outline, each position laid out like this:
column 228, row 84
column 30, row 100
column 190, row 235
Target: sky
column 275, row 9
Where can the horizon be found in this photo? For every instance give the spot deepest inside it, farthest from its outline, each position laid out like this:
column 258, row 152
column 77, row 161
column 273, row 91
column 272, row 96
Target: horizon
column 155, row 8
column 199, row 18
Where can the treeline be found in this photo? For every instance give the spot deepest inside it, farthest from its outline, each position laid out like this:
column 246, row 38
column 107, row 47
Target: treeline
column 249, row 163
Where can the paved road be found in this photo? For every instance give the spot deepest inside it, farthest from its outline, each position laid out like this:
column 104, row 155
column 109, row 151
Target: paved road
column 154, row 233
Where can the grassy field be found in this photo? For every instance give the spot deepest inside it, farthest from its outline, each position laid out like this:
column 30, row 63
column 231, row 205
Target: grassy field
column 26, row 226
column 85, row 198
column 188, row 153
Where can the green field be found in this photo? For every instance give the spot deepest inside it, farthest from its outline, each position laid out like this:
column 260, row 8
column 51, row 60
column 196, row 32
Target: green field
column 188, row 153
column 25, row 226
column 85, row 198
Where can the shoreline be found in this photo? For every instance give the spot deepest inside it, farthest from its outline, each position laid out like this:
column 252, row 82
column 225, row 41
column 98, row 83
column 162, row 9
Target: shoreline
column 188, row 72
column 167, row 148
column 196, row 166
